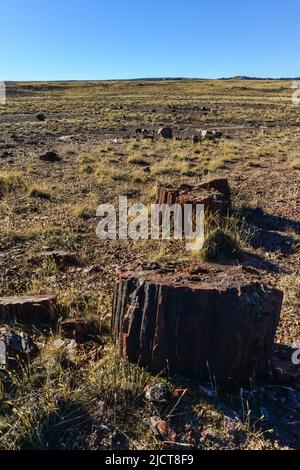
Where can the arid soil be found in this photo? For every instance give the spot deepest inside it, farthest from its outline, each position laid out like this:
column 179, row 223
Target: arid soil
column 80, row 394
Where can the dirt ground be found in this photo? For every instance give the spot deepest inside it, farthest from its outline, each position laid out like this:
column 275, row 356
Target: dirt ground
column 52, row 206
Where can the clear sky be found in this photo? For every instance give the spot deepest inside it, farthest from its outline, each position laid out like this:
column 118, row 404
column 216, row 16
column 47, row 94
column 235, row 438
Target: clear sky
column 99, row 39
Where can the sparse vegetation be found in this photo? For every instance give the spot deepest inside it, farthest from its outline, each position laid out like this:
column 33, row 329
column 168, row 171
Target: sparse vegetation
column 10, row 181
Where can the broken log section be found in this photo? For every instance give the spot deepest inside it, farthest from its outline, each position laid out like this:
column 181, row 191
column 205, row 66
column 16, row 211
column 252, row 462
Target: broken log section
column 27, row 309
column 214, row 195
column 196, row 320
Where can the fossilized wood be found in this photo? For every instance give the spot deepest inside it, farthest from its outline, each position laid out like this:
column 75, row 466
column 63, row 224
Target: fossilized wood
column 27, row 309
column 207, row 320
column 214, row 195
column 16, row 346
column 220, row 184
column 61, row 258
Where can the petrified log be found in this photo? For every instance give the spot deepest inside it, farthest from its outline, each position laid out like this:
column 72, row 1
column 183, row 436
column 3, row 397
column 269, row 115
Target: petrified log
column 50, row 157
column 27, row 309
column 216, row 320
column 165, row 132
column 214, row 195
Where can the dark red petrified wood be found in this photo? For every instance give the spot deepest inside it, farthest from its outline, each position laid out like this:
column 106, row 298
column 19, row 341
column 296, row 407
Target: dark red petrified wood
column 27, row 309
column 215, row 195
column 217, row 320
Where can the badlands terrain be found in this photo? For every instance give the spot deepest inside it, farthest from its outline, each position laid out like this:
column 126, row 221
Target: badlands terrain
column 78, row 394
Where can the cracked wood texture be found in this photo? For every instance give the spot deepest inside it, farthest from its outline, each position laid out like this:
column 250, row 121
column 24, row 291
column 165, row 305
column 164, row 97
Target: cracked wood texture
column 27, row 309
column 214, row 195
column 208, row 320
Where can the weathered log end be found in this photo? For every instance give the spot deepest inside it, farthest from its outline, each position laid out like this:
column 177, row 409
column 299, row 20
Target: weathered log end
column 210, row 320
column 219, row 184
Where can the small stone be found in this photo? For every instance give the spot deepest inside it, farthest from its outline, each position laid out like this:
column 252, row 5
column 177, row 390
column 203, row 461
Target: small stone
column 217, row 134
column 92, row 269
column 205, row 134
column 50, row 157
column 6, row 154
column 65, row 138
column 157, row 393
column 58, row 344
column 165, row 132
column 67, row 352
column 71, row 350
column 61, row 258
column 147, row 134
column 146, row 169
column 41, row 117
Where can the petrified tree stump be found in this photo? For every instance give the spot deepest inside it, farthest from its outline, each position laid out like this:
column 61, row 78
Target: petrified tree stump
column 196, row 321
column 214, row 195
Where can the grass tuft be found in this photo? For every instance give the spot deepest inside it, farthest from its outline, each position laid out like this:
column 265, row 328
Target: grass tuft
column 220, row 247
column 10, row 181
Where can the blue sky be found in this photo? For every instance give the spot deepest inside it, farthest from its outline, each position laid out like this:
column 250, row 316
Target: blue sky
column 97, row 39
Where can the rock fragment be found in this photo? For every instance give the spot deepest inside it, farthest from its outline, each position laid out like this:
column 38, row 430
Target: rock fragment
column 50, row 157
column 162, row 429
column 41, row 117
column 158, row 393
column 73, row 328
column 214, row 195
column 16, row 346
column 285, row 373
column 165, row 132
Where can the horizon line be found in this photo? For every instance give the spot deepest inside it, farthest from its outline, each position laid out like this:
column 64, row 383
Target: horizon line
column 236, row 77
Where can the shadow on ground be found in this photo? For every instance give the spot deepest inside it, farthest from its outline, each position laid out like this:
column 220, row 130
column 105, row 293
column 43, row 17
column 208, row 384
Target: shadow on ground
column 273, row 242
column 265, row 221
column 58, row 429
column 271, row 408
